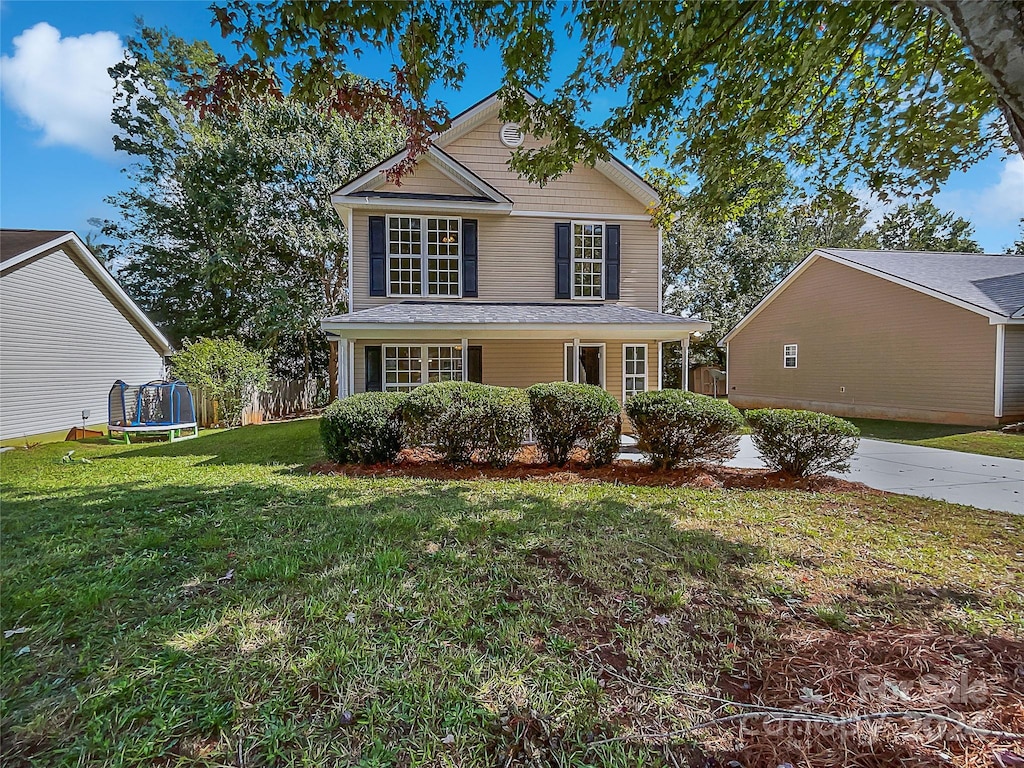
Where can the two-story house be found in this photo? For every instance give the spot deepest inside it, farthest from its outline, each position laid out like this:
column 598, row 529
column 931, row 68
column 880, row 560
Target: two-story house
column 466, row 271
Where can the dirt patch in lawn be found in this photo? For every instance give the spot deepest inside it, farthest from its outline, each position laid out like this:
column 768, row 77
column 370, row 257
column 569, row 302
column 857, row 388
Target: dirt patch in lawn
column 420, row 463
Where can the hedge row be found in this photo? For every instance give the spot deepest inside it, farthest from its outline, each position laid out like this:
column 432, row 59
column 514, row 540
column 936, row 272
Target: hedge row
column 465, row 421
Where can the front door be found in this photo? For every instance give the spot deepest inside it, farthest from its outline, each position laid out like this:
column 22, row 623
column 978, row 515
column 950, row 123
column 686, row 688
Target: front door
column 591, row 364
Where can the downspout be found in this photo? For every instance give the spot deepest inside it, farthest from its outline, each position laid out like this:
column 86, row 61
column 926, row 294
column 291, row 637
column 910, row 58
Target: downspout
column 1000, row 361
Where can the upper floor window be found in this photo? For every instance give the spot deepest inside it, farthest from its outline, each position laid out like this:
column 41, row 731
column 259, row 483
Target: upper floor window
column 424, row 256
column 789, row 356
column 587, row 260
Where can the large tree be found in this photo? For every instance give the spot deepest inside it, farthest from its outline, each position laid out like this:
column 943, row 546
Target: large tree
column 923, row 227
column 893, row 95
column 227, row 228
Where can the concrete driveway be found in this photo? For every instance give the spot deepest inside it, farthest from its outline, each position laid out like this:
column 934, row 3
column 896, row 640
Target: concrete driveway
column 986, row 482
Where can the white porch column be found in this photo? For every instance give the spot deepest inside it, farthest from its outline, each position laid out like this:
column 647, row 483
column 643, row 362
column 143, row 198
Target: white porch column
column 576, row 361
column 351, row 367
column 686, row 362
column 660, row 349
column 342, row 367
column 465, row 359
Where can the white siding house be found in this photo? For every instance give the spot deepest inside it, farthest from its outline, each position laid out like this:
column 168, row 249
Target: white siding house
column 67, row 332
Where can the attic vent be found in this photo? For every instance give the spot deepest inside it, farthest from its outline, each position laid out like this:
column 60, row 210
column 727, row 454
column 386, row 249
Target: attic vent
column 510, row 135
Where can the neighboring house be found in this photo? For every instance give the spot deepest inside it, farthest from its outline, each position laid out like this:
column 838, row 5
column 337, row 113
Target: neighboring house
column 468, row 272
column 936, row 337
column 67, row 333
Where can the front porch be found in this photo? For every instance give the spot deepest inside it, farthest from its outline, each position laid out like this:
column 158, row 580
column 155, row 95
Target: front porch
column 400, row 346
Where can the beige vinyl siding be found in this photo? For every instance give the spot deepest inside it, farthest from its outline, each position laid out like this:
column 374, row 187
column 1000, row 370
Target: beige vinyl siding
column 426, row 179
column 1013, row 372
column 583, row 189
column 516, row 260
column 62, row 346
column 521, row 363
column 898, row 353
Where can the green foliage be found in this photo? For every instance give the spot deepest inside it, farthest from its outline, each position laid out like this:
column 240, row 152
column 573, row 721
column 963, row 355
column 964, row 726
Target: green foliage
column 364, row 428
column 227, row 226
column 567, row 416
column 883, row 94
column 923, row 227
column 463, row 418
column 803, row 443
column 225, row 370
column 675, row 427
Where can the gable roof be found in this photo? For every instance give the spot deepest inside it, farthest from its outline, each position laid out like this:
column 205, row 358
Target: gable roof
column 14, row 242
column 614, row 169
column 988, row 284
column 19, row 246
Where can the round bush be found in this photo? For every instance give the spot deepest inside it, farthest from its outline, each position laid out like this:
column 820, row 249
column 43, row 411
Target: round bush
column 363, row 428
column 567, row 415
column 803, row 443
column 674, row 427
column 462, row 418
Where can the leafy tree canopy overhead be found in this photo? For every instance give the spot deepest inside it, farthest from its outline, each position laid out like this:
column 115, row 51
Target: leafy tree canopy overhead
column 227, row 226
column 894, row 96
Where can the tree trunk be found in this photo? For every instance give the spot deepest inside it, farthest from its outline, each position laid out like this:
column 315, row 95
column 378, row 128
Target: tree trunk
column 993, row 32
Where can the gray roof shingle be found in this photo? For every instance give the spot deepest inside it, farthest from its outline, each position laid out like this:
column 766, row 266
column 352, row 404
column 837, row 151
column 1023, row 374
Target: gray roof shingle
column 992, row 282
column 470, row 312
column 14, row 242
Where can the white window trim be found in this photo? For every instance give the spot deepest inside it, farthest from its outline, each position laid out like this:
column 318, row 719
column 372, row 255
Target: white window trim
column 647, row 367
column 424, row 362
column 604, row 358
column 573, row 259
column 424, row 271
column 786, row 356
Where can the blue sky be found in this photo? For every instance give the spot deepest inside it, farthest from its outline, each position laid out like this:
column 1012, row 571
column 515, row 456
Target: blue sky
column 57, row 164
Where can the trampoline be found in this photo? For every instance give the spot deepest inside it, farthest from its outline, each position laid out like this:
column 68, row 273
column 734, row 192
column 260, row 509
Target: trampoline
column 155, row 408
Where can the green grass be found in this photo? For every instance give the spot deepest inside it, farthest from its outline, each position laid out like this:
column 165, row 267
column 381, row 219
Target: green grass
column 987, row 442
column 393, row 621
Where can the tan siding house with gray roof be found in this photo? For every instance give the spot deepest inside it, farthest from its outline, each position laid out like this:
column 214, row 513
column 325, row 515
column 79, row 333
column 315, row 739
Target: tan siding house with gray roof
column 907, row 336
column 466, row 271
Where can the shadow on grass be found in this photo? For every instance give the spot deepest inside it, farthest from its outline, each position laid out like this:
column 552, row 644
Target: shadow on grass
column 323, row 619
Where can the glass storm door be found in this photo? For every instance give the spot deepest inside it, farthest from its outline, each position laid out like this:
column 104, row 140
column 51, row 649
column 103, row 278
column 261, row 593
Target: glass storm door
column 591, row 364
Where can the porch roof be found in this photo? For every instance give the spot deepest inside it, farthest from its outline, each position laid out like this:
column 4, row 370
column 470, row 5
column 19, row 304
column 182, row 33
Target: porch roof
column 476, row 317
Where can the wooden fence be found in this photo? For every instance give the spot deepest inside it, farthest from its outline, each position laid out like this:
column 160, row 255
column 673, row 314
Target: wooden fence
column 280, row 399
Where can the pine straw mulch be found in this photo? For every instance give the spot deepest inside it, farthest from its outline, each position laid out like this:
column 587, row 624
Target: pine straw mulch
column 528, row 465
column 977, row 680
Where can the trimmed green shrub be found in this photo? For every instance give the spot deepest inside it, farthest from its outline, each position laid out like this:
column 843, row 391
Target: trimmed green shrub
column 674, row 427
column 803, row 443
column 363, row 428
column 567, row 416
column 460, row 418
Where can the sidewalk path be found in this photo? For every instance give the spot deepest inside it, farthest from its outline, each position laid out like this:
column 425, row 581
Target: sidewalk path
column 986, row 482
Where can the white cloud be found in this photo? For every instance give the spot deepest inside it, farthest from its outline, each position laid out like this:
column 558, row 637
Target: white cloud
column 995, row 206
column 62, row 87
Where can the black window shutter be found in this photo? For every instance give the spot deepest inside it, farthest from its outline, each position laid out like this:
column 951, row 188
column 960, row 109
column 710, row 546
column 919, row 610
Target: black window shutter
column 476, row 364
column 374, row 369
column 469, row 258
column 611, row 261
column 378, row 257
column 563, row 262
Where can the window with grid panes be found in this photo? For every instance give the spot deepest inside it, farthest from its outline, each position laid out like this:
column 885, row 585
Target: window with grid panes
column 403, row 368
column 587, row 260
column 634, row 369
column 424, row 256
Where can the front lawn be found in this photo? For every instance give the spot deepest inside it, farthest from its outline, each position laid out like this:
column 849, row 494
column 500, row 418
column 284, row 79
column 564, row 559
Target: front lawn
column 212, row 603
column 988, row 442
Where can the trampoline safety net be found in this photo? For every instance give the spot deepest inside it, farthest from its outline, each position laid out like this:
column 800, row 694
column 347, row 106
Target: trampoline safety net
column 154, row 404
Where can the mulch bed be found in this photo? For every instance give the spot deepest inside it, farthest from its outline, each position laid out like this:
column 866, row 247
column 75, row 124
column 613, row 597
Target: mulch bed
column 421, row 463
